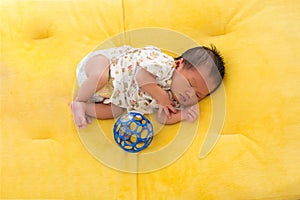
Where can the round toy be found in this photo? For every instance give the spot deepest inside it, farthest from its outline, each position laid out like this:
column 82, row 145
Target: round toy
column 133, row 132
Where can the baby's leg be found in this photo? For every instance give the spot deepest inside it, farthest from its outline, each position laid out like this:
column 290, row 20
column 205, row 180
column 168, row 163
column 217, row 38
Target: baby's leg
column 78, row 109
column 102, row 111
column 97, row 71
column 82, row 111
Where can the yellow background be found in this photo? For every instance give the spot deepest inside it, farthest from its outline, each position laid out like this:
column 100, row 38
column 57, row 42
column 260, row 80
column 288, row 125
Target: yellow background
column 257, row 155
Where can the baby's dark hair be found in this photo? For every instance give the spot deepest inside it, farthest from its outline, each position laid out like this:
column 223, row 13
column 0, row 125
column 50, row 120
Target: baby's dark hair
column 205, row 56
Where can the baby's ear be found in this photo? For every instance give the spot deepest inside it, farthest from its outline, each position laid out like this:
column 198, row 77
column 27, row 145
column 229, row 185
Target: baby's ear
column 176, row 64
column 179, row 62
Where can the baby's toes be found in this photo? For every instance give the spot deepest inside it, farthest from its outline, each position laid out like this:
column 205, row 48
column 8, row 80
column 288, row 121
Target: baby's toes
column 81, row 122
column 88, row 119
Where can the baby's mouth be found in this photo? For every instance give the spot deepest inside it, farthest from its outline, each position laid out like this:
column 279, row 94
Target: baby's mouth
column 183, row 98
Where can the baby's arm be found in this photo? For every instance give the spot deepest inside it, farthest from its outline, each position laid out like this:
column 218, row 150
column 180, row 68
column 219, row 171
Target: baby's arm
column 148, row 83
column 189, row 114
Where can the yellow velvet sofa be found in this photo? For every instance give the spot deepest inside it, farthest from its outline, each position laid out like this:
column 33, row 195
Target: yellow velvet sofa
column 253, row 155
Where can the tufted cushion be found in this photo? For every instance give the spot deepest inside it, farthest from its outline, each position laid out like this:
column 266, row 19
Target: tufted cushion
column 43, row 156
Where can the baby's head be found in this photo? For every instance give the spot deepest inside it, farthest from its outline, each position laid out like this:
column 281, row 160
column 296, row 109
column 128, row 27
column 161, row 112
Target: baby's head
column 203, row 68
column 208, row 62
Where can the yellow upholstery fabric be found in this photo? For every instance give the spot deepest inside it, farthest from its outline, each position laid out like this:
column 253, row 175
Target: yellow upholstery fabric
column 257, row 155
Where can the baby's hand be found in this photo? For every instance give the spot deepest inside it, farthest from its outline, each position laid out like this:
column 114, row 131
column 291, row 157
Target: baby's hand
column 166, row 105
column 191, row 113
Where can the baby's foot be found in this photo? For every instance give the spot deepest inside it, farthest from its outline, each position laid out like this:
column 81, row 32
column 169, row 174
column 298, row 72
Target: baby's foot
column 88, row 119
column 79, row 114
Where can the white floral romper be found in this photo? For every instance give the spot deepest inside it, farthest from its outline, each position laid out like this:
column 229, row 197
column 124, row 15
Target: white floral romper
column 124, row 63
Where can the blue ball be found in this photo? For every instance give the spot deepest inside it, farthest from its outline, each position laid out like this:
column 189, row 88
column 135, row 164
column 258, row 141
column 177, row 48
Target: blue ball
column 133, row 132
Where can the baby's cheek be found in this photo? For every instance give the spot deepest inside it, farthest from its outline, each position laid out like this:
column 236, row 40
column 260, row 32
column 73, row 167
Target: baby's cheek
column 194, row 101
column 193, row 98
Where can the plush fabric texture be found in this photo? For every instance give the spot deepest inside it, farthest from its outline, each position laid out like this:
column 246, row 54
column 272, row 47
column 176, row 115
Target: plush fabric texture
column 44, row 156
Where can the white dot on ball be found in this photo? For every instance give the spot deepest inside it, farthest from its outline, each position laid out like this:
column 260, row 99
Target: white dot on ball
column 137, row 117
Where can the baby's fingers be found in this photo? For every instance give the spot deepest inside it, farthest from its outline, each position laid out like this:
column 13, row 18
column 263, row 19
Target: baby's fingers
column 162, row 109
column 191, row 117
column 166, row 109
column 196, row 110
column 193, row 113
column 172, row 108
